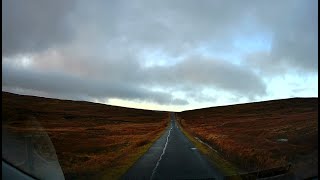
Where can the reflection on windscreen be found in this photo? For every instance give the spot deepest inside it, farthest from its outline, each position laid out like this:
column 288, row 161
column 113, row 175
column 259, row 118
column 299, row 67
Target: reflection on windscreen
column 27, row 146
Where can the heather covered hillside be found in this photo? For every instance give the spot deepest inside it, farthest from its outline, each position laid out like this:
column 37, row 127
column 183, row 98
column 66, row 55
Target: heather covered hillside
column 91, row 140
column 261, row 135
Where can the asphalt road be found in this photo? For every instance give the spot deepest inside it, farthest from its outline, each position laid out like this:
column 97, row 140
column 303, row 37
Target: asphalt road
column 173, row 156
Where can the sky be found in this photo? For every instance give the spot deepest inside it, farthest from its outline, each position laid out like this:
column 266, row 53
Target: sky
column 170, row 55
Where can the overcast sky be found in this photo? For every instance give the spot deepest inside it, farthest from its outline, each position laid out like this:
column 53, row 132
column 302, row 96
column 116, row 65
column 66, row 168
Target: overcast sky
column 167, row 55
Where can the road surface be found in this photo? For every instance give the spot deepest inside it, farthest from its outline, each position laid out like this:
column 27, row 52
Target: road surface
column 173, row 156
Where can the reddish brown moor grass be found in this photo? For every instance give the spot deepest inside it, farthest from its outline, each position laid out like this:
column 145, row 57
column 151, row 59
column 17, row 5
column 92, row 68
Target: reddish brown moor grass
column 91, row 140
column 248, row 134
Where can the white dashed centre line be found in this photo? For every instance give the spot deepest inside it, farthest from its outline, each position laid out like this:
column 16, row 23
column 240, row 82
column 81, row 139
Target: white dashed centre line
column 163, row 151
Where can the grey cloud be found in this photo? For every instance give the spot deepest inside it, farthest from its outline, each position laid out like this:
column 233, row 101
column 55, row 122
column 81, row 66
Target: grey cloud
column 201, row 72
column 297, row 90
column 193, row 73
column 33, row 26
column 294, row 28
column 199, row 96
column 61, row 83
column 96, row 46
column 174, row 26
column 131, row 81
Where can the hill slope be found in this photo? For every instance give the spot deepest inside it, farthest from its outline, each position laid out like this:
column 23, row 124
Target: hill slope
column 261, row 135
column 90, row 139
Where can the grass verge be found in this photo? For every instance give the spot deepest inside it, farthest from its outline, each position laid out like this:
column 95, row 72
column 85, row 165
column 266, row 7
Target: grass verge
column 227, row 168
column 126, row 162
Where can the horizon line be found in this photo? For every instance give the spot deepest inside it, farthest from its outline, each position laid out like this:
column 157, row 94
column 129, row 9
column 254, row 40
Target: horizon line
column 38, row 96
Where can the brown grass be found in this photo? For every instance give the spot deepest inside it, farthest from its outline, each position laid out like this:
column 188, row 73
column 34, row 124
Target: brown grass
column 248, row 134
column 91, row 140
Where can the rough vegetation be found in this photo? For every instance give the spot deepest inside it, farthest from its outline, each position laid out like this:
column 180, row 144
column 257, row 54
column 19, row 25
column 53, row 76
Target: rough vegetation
column 261, row 135
column 91, row 140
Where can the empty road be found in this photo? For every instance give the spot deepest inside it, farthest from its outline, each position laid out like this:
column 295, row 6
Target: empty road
column 173, row 156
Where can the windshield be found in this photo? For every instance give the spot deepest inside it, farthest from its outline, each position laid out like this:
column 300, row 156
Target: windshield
column 160, row 89
column 26, row 145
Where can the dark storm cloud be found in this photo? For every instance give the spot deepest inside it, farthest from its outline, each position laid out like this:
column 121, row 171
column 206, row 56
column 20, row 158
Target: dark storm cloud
column 94, row 48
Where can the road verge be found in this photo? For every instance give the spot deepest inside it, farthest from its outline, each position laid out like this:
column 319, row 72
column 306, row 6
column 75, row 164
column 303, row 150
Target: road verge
column 227, row 168
column 128, row 161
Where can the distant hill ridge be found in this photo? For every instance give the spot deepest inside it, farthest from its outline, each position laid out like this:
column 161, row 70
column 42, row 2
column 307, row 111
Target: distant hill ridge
column 297, row 101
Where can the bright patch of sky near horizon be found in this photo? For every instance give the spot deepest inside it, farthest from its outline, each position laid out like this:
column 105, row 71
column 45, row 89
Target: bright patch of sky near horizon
column 176, row 57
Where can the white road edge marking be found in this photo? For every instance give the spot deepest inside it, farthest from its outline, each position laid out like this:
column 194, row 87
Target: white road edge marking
column 205, row 144
column 163, row 151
